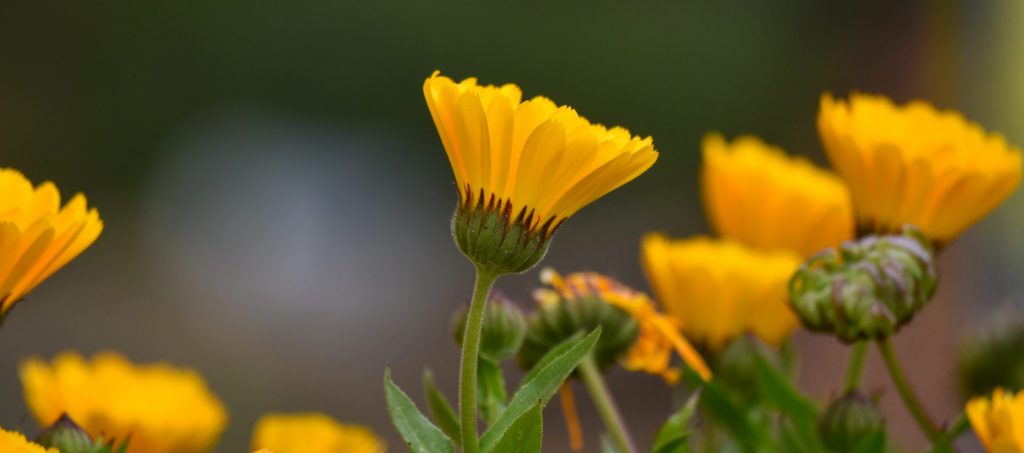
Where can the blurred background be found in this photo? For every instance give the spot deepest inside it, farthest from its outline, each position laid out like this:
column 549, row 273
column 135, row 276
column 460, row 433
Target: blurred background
column 277, row 201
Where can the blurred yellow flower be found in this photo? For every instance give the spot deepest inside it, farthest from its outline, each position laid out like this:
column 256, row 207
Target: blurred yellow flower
column 12, row 442
column 658, row 335
column 161, row 408
column 999, row 421
column 37, row 235
column 914, row 164
column 720, row 289
column 312, row 433
column 533, row 161
column 756, row 194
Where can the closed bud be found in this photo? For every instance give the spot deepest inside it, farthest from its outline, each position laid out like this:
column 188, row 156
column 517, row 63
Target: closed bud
column 504, row 327
column 736, row 365
column 498, row 239
column 847, row 421
column 68, row 437
column 867, row 289
column 993, row 357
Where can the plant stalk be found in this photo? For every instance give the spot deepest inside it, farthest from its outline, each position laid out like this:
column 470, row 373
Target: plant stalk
column 605, row 404
column 855, row 366
column 470, row 356
column 903, row 386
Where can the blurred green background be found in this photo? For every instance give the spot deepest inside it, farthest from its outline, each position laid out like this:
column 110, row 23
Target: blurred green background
column 276, row 199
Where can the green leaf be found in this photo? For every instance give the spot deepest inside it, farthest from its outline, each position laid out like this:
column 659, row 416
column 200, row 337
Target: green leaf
column 672, row 436
column 525, row 435
column 540, row 384
column 716, row 402
column 421, row 435
column 490, row 390
column 440, row 410
column 779, row 392
column 874, row 443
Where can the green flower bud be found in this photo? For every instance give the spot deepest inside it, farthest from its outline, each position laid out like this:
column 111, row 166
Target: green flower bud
column 496, row 238
column 503, row 329
column 68, row 437
column 848, row 421
column 866, row 290
column 736, row 365
column 556, row 322
column 993, row 357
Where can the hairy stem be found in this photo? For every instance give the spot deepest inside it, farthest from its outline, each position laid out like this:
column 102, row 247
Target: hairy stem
column 470, row 356
column 605, row 404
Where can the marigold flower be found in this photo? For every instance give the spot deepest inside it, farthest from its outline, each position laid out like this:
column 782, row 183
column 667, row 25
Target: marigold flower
column 719, row 289
column 523, row 167
column 658, row 335
column 162, row 409
column 756, row 194
column 37, row 235
column 999, row 421
column 312, row 433
column 12, row 442
column 913, row 164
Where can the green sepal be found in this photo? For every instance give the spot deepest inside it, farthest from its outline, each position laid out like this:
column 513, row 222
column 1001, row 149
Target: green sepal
column 497, row 239
column 490, row 390
column 67, row 437
column 540, row 384
column 672, row 437
column 440, row 410
column 421, row 435
column 525, row 435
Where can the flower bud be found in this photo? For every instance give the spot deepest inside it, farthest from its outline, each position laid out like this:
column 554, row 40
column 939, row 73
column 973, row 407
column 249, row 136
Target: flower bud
column 496, row 238
column 504, row 327
column 554, row 323
column 866, row 290
column 736, row 365
column 68, row 437
column 993, row 357
column 847, row 421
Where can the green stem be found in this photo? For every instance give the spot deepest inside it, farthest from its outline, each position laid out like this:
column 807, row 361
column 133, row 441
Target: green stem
column 903, row 386
column 958, row 426
column 605, row 404
column 470, row 355
column 855, row 367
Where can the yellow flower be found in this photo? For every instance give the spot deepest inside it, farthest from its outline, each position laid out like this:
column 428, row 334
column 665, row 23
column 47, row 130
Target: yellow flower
column 914, row 164
column 658, row 335
column 719, row 289
column 312, row 433
column 999, row 421
column 162, row 409
column 12, row 442
column 530, row 165
column 756, row 194
column 37, row 235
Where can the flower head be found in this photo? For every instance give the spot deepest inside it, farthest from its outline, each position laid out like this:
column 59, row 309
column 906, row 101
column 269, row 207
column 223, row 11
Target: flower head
column 12, row 442
column 999, row 421
column 523, row 167
column 312, row 433
column 38, row 235
column 913, row 164
column 159, row 407
column 719, row 289
column 756, row 194
column 658, row 335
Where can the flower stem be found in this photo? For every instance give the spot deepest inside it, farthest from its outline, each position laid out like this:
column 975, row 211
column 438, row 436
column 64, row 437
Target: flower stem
column 903, row 386
column 855, row 367
column 470, row 356
column 605, row 404
column 958, row 426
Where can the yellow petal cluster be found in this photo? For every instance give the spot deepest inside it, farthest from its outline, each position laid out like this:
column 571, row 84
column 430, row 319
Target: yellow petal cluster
column 38, row 235
column 719, row 289
column 756, row 194
column 658, row 335
column 532, row 160
column 12, row 442
column 915, row 164
column 999, row 421
column 161, row 408
column 312, row 433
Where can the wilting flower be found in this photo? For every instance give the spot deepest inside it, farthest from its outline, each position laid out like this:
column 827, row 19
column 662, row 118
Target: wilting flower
column 720, row 289
column 158, row 407
column 658, row 336
column 913, row 164
column 12, row 442
column 37, row 235
column 999, row 421
column 312, row 433
column 756, row 194
column 523, row 167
